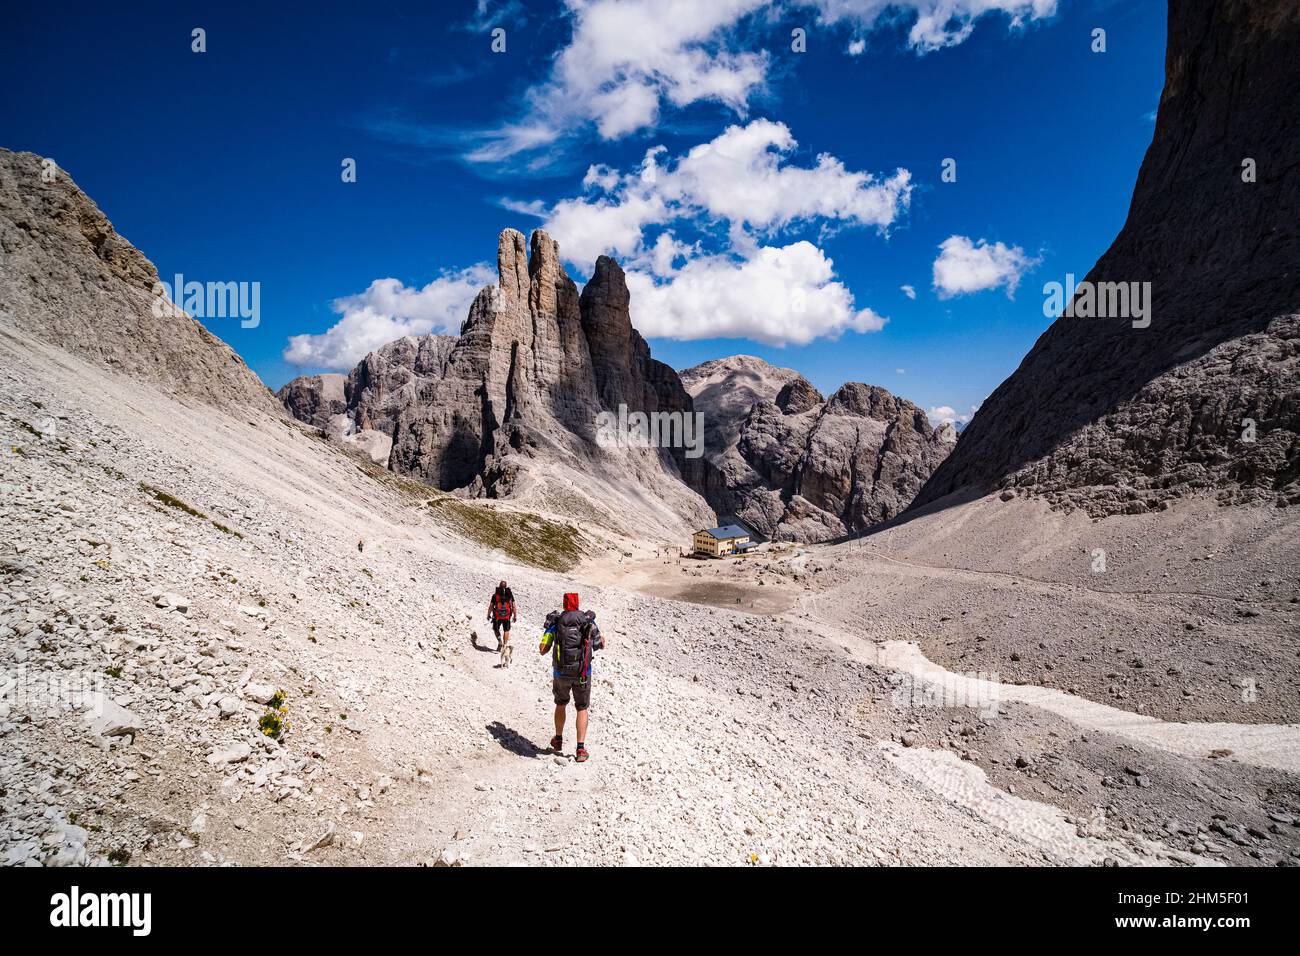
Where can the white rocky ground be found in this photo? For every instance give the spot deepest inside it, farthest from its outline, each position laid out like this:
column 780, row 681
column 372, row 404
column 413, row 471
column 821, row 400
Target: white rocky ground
column 186, row 565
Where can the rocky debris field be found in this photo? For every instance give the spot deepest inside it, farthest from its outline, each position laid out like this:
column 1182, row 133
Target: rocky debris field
column 1191, row 617
column 1215, row 808
column 176, row 583
column 1192, row 614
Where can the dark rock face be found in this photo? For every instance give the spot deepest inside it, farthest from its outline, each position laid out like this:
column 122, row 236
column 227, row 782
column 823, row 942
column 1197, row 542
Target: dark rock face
column 620, row 358
column 798, row 396
column 1112, row 418
column 389, row 379
column 840, row 466
column 801, row 467
column 68, row 278
column 724, row 390
column 363, row 407
column 315, row 399
column 512, row 403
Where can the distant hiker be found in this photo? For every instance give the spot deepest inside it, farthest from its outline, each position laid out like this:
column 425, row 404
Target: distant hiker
column 501, row 612
column 572, row 637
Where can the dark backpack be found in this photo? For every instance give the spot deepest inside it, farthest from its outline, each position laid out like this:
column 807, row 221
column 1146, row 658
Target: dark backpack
column 573, row 643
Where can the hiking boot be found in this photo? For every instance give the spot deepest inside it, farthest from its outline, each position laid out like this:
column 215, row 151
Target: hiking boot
column 557, row 744
column 581, row 755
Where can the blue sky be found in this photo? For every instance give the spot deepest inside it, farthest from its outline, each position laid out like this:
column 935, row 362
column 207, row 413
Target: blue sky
column 775, row 175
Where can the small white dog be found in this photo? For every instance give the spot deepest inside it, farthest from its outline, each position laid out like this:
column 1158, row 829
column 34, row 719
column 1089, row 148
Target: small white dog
column 507, row 652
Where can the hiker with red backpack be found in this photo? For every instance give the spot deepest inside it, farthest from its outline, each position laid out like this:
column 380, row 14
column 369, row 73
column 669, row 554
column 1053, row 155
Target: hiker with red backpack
column 573, row 638
column 501, row 612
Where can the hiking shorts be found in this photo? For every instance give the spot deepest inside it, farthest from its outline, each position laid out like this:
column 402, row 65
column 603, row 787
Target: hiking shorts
column 497, row 625
column 561, row 686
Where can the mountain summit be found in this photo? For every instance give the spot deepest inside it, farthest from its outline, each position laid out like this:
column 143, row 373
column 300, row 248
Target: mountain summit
column 513, row 406
column 795, row 465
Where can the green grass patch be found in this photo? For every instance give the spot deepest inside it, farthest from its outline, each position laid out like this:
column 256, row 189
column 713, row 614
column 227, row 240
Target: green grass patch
column 528, row 538
column 411, row 490
column 172, row 501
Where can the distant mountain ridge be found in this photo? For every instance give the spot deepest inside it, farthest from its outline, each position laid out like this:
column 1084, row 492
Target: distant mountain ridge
column 509, row 408
column 794, row 465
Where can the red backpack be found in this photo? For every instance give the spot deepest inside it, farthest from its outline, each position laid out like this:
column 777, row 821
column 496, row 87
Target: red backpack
column 501, row 606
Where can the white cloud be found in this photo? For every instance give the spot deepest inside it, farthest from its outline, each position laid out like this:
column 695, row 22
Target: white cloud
column 500, row 144
column 743, row 177
column 626, row 60
column 908, row 291
column 600, row 177
column 778, row 296
column 942, row 414
column 533, row 207
column 666, row 251
column 946, row 414
column 964, row 266
column 900, row 371
column 586, row 229
column 386, row 311
column 935, row 23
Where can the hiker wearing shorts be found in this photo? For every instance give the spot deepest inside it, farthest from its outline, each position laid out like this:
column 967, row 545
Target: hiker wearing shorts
column 501, row 612
column 573, row 638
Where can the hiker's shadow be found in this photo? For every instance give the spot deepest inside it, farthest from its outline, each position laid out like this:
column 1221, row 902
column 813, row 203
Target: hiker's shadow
column 473, row 639
column 514, row 741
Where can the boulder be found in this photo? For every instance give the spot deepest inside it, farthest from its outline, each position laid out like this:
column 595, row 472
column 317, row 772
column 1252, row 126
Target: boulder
column 236, row 753
column 259, row 693
column 107, row 718
column 171, row 602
